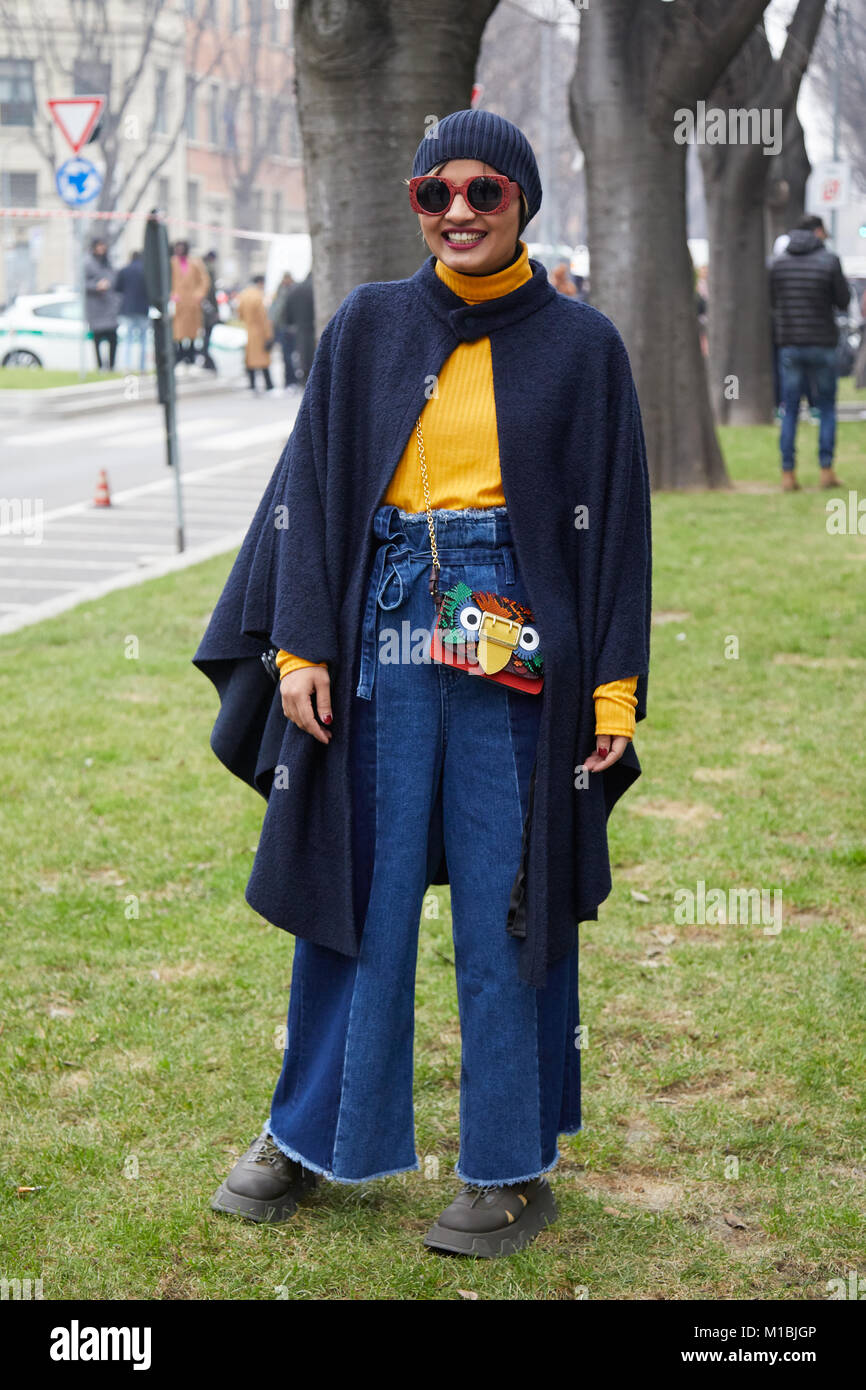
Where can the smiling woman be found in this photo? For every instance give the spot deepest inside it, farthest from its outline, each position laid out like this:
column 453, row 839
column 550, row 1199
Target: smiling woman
column 441, row 455
column 471, row 220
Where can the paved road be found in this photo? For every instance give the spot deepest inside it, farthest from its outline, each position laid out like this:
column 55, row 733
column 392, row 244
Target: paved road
column 56, row 548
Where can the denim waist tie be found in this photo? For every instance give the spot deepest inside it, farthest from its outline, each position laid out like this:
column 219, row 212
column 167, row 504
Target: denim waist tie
column 473, row 535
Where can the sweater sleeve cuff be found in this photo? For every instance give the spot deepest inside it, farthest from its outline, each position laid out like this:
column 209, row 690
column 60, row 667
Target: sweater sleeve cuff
column 287, row 663
column 614, row 708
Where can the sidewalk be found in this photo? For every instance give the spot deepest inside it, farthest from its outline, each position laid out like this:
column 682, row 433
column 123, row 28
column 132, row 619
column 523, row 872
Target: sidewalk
column 128, row 543
column 64, row 401
column 57, row 550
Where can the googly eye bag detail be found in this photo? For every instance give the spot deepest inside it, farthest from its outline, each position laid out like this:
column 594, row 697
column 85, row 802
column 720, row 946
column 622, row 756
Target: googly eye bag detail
column 488, row 635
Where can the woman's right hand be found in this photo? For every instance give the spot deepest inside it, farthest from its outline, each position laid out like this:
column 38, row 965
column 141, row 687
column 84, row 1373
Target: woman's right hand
column 297, row 689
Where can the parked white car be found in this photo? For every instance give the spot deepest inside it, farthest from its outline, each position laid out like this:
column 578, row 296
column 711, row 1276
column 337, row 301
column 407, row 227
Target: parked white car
column 44, row 330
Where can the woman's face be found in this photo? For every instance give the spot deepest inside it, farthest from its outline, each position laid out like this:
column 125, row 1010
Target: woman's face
column 495, row 235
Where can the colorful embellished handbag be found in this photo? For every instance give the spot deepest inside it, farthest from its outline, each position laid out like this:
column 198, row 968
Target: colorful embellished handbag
column 482, row 633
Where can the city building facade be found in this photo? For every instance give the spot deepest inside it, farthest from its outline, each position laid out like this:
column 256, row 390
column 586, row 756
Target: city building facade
column 200, row 121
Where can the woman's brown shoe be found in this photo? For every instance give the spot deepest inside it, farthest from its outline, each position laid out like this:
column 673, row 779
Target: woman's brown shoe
column 829, row 479
column 789, row 482
column 264, row 1185
column 490, row 1221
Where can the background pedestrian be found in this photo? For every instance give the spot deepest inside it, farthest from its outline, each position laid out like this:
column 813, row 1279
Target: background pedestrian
column 189, row 285
column 134, row 309
column 254, row 316
column 100, row 302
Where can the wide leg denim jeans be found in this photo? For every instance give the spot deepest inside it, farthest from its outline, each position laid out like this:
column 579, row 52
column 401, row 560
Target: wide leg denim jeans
column 431, row 747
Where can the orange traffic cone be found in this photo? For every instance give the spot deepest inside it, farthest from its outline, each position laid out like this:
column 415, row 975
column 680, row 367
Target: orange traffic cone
column 102, row 497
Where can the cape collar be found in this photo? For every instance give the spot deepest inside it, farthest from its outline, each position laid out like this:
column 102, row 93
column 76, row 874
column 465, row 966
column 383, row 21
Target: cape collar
column 471, row 321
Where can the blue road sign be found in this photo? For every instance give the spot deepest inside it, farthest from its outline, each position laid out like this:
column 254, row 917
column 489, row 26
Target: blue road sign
column 78, row 181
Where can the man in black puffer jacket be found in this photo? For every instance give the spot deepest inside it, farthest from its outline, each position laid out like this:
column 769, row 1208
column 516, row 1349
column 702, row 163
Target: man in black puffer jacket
column 806, row 285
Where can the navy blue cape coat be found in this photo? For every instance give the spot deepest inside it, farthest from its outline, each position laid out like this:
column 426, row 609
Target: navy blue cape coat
column 570, row 438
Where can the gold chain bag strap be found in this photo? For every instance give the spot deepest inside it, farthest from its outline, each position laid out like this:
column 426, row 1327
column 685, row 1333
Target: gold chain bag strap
column 482, row 633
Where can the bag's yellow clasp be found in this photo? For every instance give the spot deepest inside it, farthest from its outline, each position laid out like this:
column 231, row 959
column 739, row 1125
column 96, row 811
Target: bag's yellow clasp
column 497, row 638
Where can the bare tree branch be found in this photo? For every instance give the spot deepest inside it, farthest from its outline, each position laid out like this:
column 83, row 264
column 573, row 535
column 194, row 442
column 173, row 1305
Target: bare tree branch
column 710, row 36
column 782, row 84
column 851, row 77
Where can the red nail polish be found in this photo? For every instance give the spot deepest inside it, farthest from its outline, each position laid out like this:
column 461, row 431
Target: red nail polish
column 602, row 752
column 327, row 718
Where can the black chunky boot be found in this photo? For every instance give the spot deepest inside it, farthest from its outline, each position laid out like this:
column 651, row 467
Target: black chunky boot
column 264, row 1185
column 490, row 1221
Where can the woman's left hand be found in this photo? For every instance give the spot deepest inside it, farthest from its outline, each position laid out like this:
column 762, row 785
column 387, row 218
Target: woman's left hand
column 608, row 751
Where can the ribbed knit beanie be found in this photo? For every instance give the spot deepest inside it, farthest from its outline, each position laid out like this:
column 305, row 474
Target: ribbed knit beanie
column 482, row 135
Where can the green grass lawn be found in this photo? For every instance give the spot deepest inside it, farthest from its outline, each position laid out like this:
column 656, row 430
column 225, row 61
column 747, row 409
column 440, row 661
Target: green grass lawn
column 39, row 378
column 723, row 1154
column 847, row 391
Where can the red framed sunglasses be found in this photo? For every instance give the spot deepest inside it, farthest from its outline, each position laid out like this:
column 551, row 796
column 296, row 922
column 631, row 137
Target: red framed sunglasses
column 432, row 194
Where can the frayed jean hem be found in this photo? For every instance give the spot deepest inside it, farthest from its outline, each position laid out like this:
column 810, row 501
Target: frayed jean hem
column 327, row 1173
column 511, row 1182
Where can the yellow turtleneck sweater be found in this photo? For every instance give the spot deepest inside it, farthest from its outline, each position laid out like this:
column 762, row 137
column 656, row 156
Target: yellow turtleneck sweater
column 459, row 425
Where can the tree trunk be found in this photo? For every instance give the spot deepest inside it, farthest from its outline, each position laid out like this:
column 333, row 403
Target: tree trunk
column 850, row 67
column 789, row 174
column 243, row 246
column 371, row 79
column 638, row 64
column 736, row 183
column 739, row 325
column 642, row 277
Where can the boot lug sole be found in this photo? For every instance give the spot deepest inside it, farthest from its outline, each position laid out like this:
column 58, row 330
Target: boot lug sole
column 488, row 1245
column 272, row 1211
